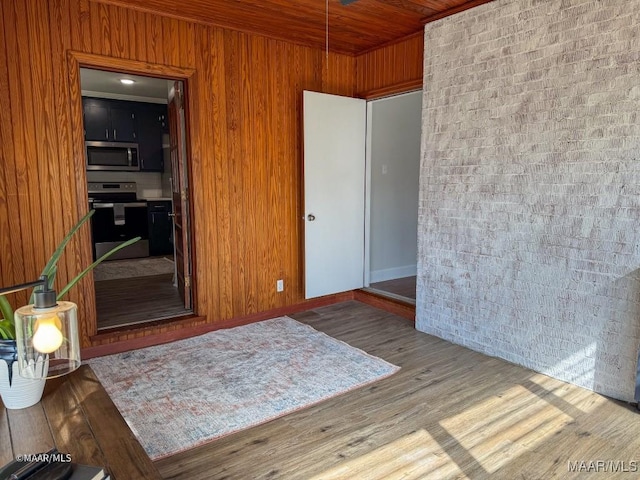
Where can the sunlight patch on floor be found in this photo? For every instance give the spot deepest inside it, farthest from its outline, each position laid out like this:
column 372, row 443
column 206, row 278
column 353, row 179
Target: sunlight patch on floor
column 411, row 457
column 577, row 397
column 491, row 434
column 517, row 421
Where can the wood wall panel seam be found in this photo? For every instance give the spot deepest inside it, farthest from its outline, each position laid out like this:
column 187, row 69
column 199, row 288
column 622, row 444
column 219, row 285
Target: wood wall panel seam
column 247, row 169
column 39, row 85
column 59, row 14
column 9, row 247
column 140, row 32
column 28, row 254
column 223, row 182
column 116, row 34
column 154, row 32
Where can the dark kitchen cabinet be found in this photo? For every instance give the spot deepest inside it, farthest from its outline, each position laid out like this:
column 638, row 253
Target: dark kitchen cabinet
column 160, row 228
column 151, row 120
column 109, row 120
column 97, row 120
column 123, row 123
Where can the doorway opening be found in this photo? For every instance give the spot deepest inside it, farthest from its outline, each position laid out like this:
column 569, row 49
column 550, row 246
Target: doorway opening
column 393, row 171
column 361, row 193
column 137, row 183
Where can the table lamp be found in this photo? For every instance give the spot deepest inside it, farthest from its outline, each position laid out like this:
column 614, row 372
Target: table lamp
column 47, row 341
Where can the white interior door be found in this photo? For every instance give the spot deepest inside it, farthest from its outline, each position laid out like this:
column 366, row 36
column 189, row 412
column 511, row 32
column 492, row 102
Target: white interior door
column 334, row 182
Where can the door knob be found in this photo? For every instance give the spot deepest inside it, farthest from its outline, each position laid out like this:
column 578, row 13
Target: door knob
column 311, row 217
column 171, row 214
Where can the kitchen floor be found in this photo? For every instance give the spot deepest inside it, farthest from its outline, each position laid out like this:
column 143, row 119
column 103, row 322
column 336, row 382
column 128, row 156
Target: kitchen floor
column 130, row 301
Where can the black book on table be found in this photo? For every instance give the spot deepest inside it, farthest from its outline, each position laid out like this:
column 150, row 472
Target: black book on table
column 87, row 472
column 51, row 471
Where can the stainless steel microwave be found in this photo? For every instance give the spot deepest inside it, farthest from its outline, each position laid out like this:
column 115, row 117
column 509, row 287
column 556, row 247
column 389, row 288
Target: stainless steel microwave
column 114, row 156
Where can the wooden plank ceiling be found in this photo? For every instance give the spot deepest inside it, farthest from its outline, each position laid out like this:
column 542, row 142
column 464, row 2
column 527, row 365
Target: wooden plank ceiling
column 355, row 28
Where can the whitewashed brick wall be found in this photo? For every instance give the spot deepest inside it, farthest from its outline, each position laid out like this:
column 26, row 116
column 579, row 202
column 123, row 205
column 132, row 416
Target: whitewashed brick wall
column 529, row 220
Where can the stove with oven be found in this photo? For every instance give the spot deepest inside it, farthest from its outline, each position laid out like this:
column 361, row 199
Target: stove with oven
column 119, row 216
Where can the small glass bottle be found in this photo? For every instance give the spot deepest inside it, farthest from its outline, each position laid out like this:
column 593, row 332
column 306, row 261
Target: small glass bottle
column 47, row 338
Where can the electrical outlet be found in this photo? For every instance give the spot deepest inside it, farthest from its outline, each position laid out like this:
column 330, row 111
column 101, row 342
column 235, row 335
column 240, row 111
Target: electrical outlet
column 279, row 285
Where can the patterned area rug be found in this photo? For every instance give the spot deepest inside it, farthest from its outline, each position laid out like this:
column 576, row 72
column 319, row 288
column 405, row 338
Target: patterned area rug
column 180, row 395
column 135, row 267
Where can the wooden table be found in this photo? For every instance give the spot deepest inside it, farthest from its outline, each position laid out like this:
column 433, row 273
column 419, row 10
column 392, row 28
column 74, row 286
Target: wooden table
column 77, row 416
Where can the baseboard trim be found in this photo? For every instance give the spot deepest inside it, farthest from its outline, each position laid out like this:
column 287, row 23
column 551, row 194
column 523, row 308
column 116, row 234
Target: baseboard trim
column 194, row 326
column 392, row 305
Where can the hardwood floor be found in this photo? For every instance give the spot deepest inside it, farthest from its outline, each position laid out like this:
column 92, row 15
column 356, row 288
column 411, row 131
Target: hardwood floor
column 403, row 287
column 449, row 413
column 129, row 301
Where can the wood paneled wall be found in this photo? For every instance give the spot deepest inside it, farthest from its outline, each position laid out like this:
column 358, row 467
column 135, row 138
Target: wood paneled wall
column 244, row 117
column 394, row 68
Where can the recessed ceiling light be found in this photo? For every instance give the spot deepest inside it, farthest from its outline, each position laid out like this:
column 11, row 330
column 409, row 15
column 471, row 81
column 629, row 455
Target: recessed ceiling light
column 127, row 81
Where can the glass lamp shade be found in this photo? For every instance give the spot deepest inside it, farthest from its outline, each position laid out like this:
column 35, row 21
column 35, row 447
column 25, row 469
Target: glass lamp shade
column 47, row 340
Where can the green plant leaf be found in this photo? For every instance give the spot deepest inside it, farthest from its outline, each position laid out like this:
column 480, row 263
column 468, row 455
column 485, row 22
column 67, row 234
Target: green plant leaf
column 52, row 275
column 51, row 267
column 5, row 309
column 7, row 330
column 58, row 252
column 94, row 264
column 7, row 327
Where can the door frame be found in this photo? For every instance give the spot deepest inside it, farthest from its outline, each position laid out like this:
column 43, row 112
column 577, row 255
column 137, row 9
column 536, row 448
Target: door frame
column 367, row 197
column 368, row 182
column 180, row 193
column 75, row 61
